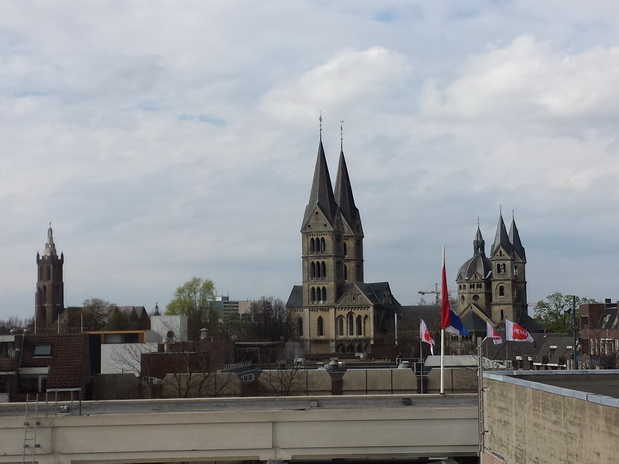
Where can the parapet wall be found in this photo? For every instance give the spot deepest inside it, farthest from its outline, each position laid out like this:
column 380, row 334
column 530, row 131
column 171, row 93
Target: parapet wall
column 531, row 422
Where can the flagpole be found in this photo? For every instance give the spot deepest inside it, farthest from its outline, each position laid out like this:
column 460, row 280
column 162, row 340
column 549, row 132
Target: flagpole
column 421, row 364
column 442, row 389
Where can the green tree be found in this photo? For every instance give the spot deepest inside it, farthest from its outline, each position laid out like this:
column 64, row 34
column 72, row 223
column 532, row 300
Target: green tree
column 117, row 321
column 95, row 312
column 194, row 299
column 555, row 312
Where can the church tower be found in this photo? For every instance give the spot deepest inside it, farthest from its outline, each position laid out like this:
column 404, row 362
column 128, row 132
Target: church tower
column 508, row 277
column 49, row 297
column 352, row 237
column 322, row 237
column 473, row 279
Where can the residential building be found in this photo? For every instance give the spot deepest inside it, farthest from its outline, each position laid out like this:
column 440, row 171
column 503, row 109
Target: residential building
column 32, row 364
column 599, row 335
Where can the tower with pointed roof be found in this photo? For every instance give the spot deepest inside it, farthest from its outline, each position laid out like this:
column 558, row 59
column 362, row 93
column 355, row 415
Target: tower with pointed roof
column 49, row 296
column 334, row 310
column 495, row 288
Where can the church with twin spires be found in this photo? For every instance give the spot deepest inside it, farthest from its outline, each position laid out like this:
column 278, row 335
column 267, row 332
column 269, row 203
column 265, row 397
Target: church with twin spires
column 334, row 310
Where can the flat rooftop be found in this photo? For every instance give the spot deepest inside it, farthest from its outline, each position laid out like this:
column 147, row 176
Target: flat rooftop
column 600, row 386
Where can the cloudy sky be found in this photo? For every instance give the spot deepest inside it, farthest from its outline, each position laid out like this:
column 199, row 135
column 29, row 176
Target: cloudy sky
column 171, row 139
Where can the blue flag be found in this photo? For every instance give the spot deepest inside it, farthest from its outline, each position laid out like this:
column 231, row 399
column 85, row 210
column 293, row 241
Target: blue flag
column 455, row 324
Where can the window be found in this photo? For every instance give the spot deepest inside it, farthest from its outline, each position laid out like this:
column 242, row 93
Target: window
column 312, row 246
column 350, row 322
column 501, row 291
column 43, row 349
column 313, row 294
column 320, row 327
column 340, row 325
column 323, row 245
column 312, row 270
column 300, row 327
column 324, row 294
column 323, row 269
column 359, row 325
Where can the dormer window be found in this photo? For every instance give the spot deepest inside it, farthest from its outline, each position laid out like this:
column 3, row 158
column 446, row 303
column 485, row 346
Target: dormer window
column 42, row 350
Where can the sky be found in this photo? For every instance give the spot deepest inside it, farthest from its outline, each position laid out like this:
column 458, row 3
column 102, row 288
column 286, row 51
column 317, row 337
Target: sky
column 166, row 140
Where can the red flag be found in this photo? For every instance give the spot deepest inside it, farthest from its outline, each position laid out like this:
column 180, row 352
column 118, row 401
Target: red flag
column 493, row 334
column 516, row 333
column 445, row 307
column 425, row 336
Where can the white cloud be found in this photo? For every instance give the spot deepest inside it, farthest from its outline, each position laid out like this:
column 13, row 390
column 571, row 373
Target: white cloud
column 351, row 78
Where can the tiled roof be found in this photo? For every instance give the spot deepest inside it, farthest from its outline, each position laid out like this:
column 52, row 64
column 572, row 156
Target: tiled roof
column 68, row 362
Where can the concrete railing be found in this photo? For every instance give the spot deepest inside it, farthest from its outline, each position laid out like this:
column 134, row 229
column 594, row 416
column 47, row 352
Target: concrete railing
column 240, row 429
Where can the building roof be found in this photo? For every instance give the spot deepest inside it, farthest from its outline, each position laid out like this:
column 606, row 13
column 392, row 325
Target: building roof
column 322, row 190
column 344, row 197
column 501, row 238
column 66, row 355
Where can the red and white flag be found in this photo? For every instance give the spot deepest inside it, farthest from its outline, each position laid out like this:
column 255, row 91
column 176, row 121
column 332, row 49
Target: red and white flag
column 493, row 334
column 516, row 333
column 425, row 336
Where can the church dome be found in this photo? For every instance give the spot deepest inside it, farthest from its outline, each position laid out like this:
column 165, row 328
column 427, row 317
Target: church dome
column 478, row 264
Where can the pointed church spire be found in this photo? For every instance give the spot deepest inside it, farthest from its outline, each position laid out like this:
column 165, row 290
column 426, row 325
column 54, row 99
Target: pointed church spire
column 479, row 245
column 50, row 247
column 514, row 238
column 343, row 193
column 501, row 238
column 322, row 190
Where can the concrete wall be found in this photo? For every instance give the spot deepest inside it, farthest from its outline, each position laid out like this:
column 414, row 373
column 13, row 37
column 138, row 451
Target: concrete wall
column 318, row 382
column 351, row 428
column 529, row 422
column 121, row 358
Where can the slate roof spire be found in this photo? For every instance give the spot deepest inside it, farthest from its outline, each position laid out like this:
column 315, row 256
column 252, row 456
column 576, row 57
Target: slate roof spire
column 514, row 238
column 479, row 245
column 501, row 238
column 343, row 191
column 322, row 189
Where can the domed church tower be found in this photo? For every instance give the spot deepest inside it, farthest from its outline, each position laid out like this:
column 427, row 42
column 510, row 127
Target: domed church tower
column 49, row 297
column 494, row 289
column 473, row 279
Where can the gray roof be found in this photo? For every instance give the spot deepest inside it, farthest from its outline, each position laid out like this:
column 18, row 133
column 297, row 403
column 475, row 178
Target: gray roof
column 344, row 197
column 501, row 238
column 322, row 191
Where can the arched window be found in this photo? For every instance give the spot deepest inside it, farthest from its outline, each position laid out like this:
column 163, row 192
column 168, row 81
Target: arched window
column 323, row 269
column 312, row 270
column 365, row 325
column 300, row 326
column 345, row 272
column 501, row 290
column 340, row 325
column 312, row 294
column 324, row 294
column 323, row 245
column 312, row 245
column 359, row 325
column 350, row 322
column 345, row 249
column 320, row 326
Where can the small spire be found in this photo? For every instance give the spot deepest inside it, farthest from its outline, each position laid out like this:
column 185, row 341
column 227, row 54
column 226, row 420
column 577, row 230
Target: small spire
column 320, row 125
column 50, row 247
column 341, row 135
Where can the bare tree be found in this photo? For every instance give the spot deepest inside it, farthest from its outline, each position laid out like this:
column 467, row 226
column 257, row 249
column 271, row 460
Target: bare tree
column 284, row 379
